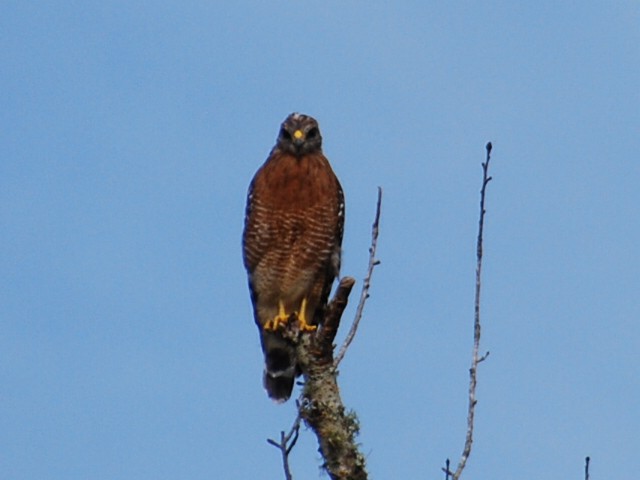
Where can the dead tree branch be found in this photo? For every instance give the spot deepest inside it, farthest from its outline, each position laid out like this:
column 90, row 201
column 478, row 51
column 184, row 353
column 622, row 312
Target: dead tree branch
column 476, row 358
column 320, row 405
column 323, row 410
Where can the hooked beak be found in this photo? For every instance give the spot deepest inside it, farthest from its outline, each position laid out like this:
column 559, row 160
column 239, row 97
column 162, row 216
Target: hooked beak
column 298, row 138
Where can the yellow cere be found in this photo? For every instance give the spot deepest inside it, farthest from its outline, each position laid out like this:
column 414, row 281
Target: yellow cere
column 298, row 134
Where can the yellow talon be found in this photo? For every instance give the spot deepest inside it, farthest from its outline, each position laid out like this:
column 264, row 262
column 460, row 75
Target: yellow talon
column 302, row 320
column 279, row 320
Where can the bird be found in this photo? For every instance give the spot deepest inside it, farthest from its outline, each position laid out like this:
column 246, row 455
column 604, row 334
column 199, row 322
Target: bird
column 294, row 221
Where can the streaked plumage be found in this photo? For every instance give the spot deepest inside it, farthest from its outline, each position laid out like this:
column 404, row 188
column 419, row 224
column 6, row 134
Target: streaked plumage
column 291, row 243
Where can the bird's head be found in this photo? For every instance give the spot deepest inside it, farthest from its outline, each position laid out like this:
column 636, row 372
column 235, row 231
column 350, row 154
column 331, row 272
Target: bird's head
column 299, row 135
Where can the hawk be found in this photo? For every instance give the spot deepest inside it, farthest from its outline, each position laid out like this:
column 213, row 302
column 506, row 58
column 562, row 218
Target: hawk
column 291, row 244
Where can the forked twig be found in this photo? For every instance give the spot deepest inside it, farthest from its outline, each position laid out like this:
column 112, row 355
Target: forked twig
column 287, row 442
column 364, row 294
column 447, row 470
column 476, row 359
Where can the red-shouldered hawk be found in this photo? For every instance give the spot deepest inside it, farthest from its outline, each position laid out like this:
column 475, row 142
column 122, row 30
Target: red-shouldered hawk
column 291, row 244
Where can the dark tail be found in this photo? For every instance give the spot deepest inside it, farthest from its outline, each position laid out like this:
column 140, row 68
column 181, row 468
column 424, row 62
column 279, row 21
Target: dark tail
column 280, row 368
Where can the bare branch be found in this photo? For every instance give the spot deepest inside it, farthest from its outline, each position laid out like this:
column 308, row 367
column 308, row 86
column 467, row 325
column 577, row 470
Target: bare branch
column 314, row 353
column 321, row 406
column 476, row 325
column 364, row 295
column 323, row 410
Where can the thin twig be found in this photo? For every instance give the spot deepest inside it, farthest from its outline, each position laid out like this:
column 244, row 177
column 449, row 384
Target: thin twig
column 476, row 359
column 364, row 295
column 287, row 442
column 586, row 468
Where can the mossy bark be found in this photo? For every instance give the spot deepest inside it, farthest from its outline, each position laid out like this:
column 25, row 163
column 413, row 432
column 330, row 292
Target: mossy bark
column 322, row 408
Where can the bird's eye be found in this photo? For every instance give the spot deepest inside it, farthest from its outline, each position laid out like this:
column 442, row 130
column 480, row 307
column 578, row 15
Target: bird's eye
column 284, row 134
column 313, row 133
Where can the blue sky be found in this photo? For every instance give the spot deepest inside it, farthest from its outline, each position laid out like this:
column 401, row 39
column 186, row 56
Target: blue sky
column 129, row 132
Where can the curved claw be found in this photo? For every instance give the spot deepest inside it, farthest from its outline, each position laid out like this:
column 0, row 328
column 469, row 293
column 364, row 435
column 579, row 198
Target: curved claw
column 279, row 321
column 302, row 320
column 306, row 327
column 276, row 323
column 282, row 318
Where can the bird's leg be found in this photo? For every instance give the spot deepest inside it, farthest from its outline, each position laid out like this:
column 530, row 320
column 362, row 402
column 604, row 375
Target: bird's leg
column 302, row 318
column 279, row 320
